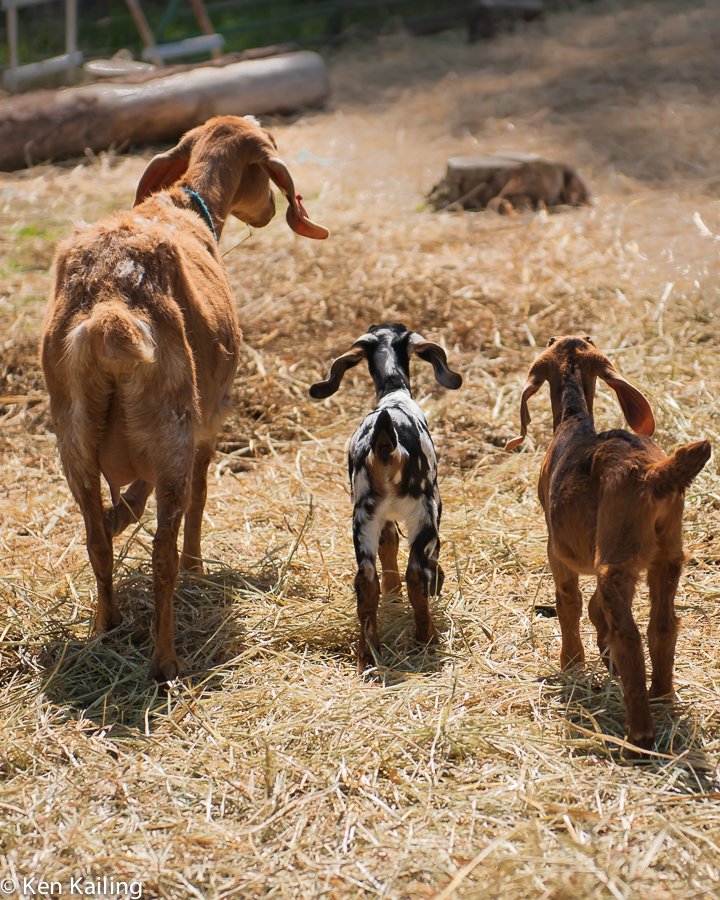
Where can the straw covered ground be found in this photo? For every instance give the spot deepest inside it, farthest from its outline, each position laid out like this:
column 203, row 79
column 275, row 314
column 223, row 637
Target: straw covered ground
column 478, row 770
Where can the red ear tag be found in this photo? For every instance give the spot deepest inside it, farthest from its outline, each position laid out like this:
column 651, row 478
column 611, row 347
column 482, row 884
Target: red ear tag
column 298, row 197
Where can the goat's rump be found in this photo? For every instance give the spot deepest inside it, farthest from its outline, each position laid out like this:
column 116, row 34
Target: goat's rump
column 154, row 294
column 394, row 444
column 677, row 472
column 124, row 330
column 627, row 457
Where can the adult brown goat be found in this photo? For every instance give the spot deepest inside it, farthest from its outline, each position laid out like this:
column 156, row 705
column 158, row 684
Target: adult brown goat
column 613, row 505
column 141, row 344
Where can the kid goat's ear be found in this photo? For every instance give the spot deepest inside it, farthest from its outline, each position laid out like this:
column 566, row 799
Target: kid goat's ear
column 436, row 356
column 359, row 351
column 535, row 380
column 635, row 407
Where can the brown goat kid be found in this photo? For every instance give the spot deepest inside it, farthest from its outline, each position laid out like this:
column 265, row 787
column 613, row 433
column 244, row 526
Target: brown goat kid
column 140, row 347
column 613, row 505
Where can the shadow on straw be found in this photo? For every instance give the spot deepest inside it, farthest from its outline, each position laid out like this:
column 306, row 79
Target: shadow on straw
column 594, row 707
column 104, row 678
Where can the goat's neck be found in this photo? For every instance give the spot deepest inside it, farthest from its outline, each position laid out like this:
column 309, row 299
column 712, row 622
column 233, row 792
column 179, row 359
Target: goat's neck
column 216, row 191
column 387, row 374
column 570, row 401
column 386, row 389
column 184, row 199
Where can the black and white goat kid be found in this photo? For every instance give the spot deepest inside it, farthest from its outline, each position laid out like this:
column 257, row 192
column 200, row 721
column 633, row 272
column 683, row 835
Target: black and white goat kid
column 393, row 476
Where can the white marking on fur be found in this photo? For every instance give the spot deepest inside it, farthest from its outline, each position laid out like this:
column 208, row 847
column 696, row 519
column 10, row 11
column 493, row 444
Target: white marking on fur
column 73, row 337
column 129, row 269
column 413, row 512
column 146, row 342
column 124, row 268
column 252, row 120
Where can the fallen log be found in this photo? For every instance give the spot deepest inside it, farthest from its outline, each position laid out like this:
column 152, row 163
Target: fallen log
column 47, row 125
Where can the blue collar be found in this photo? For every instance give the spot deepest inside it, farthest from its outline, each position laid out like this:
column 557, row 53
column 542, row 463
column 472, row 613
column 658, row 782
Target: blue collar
column 203, row 210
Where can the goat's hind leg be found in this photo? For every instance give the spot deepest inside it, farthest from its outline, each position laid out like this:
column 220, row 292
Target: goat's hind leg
column 568, row 600
column 173, row 466
column 130, row 508
column 191, row 558
column 84, row 481
column 171, row 502
column 389, row 542
column 367, row 584
column 422, row 578
column 616, row 585
column 663, row 578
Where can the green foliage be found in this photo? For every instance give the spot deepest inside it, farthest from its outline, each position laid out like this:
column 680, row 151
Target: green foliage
column 34, row 231
column 106, row 26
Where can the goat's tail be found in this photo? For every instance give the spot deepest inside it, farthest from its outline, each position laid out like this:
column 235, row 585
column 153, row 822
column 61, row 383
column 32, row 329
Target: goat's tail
column 677, row 472
column 384, row 437
column 112, row 334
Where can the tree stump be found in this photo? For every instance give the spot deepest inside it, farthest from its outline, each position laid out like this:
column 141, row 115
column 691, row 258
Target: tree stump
column 508, row 180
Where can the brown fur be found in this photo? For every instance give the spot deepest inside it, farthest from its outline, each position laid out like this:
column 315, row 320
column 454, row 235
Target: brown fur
column 613, row 505
column 140, row 347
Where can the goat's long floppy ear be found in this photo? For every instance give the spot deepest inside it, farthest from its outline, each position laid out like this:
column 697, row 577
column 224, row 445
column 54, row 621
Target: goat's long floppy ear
column 165, row 169
column 297, row 217
column 535, row 380
column 635, row 407
column 434, row 354
column 322, row 389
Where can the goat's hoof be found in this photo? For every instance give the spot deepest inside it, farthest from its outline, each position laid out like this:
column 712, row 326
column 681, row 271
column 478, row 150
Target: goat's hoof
column 165, row 672
column 642, row 742
column 427, row 635
column 661, row 694
column 364, row 663
column 108, row 621
column 191, row 564
column 366, row 659
column 116, row 520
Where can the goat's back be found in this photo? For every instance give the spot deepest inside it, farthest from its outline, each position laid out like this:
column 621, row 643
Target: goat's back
column 141, row 303
column 412, row 464
column 616, row 487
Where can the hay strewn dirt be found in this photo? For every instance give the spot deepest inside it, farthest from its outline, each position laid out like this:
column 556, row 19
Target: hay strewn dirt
column 479, row 770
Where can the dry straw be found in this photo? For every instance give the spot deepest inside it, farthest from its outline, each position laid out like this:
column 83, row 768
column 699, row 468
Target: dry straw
column 477, row 770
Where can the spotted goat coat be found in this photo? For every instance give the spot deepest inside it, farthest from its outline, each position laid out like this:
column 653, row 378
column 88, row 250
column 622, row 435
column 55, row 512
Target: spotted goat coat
column 393, row 474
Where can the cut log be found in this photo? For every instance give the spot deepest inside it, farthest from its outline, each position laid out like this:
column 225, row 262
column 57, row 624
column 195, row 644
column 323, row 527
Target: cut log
column 508, row 180
column 51, row 124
